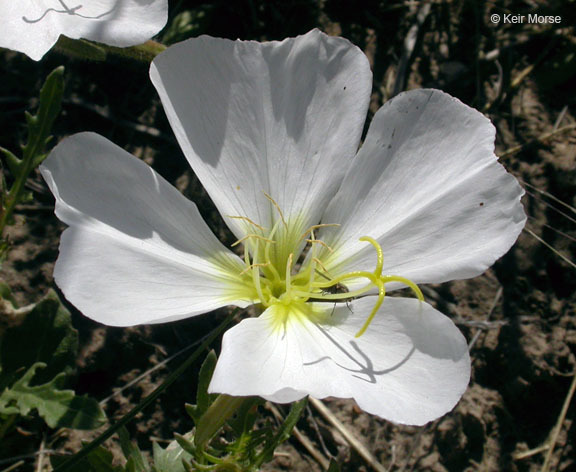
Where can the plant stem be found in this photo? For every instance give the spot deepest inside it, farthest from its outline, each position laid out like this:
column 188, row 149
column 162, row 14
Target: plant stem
column 74, row 460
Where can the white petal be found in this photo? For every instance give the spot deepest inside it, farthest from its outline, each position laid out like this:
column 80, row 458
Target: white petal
column 22, row 32
column 427, row 185
column 411, row 366
column 137, row 250
column 33, row 26
column 116, row 22
column 279, row 117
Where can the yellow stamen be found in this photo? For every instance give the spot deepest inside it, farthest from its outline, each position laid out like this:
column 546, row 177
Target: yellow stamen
column 315, row 259
column 289, row 275
column 277, row 208
column 245, row 218
column 256, row 278
column 251, row 235
column 313, row 227
column 251, row 266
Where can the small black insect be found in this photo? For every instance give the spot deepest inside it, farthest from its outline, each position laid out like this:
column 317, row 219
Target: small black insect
column 334, row 289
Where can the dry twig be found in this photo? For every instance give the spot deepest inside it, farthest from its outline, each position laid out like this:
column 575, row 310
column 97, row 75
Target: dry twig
column 362, row 450
column 301, row 437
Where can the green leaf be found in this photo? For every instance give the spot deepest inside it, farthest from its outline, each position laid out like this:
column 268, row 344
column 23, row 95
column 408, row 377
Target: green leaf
column 170, row 459
column 283, row 433
column 246, row 416
column 59, row 408
column 203, row 398
column 13, row 162
column 46, row 336
column 185, row 25
column 132, row 453
column 333, row 467
column 40, row 125
column 6, row 294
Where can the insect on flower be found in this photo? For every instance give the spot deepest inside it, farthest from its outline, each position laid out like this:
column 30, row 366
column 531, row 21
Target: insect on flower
column 272, row 130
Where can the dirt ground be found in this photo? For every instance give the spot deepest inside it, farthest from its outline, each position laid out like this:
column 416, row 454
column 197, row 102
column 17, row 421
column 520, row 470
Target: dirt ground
column 520, row 316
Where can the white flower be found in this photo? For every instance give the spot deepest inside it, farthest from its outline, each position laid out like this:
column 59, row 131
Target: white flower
column 272, row 129
column 33, row 26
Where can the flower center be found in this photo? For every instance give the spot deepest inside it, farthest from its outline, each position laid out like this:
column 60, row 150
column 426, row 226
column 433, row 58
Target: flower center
column 283, row 267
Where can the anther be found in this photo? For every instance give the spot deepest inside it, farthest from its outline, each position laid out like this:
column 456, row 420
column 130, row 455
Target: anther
column 313, row 227
column 318, row 241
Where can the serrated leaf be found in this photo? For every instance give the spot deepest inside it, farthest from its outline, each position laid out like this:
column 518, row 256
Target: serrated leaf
column 51, row 98
column 14, row 164
column 59, row 408
column 170, row 459
column 46, row 336
column 40, row 125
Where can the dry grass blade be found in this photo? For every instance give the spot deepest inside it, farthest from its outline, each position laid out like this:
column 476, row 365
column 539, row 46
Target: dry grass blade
column 552, row 207
column 490, row 311
column 551, row 228
column 13, row 466
column 302, row 439
column 548, row 195
column 549, row 246
column 539, row 139
column 558, row 427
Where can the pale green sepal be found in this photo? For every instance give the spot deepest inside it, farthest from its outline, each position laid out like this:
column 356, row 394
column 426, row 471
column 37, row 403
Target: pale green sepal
column 170, row 459
column 81, row 49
